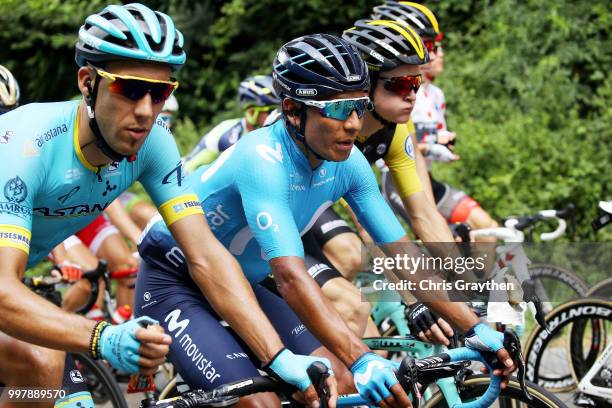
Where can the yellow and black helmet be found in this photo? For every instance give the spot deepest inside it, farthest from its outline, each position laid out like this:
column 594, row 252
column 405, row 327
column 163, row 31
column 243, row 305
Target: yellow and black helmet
column 416, row 15
column 386, row 44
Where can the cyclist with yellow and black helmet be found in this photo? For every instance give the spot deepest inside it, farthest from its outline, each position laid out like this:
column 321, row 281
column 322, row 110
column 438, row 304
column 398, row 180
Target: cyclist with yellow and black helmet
column 434, row 139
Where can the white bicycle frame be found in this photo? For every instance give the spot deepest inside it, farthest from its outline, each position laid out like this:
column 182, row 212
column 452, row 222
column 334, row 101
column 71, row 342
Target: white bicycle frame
column 585, row 384
column 513, row 256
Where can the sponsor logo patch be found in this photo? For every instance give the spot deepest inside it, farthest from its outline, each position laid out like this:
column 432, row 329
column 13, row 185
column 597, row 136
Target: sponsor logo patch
column 15, row 192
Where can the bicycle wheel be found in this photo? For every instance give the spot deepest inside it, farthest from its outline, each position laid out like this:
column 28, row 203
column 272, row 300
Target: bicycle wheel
column 602, row 289
column 100, row 382
column 556, row 285
column 584, row 358
column 547, row 360
column 512, row 396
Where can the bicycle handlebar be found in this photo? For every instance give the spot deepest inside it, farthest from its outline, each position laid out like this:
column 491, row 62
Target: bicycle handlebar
column 410, row 373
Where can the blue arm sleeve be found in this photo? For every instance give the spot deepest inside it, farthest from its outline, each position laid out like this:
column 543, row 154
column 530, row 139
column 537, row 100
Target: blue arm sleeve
column 369, row 205
column 264, row 187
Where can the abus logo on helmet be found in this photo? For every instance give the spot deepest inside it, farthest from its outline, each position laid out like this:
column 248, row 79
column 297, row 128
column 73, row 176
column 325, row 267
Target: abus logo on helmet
column 352, row 78
column 306, row 92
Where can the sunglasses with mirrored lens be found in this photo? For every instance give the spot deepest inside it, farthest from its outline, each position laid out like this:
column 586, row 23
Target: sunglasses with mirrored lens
column 402, row 85
column 135, row 88
column 434, row 44
column 339, row 109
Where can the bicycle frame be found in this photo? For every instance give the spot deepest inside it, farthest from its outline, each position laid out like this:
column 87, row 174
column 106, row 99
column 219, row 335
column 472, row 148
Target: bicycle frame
column 587, row 387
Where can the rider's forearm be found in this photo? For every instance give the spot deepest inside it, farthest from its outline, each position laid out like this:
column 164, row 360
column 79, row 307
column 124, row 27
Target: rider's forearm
column 423, row 172
column 427, row 222
column 316, row 312
column 53, row 328
column 231, row 296
column 59, row 254
column 121, row 219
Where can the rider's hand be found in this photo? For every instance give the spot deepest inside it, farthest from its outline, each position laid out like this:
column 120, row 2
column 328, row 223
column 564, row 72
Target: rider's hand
column 438, row 152
column 68, row 271
column 375, row 381
column 445, row 137
column 291, row 368
column 154, row 345
column 482, row 337
column 427, row 325
column 131, row 348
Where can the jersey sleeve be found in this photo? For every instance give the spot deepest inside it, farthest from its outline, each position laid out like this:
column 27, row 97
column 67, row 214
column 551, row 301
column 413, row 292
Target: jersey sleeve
column 401, row 162
column 162, row 176
column 368, row 204
column 22, row 175
column 263, row 184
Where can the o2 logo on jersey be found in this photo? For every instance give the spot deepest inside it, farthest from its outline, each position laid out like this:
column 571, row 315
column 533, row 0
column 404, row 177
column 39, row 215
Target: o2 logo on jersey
column 409, row 147
column 269, row 153
column 264, row 222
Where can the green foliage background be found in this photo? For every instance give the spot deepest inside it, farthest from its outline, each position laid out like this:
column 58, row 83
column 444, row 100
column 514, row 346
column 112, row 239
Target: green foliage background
column 527, row 83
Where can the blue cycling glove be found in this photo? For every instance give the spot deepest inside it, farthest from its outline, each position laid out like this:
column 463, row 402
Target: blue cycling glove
column 374, row 376
column 119, row 346
column 482, row 337
column 291, row 368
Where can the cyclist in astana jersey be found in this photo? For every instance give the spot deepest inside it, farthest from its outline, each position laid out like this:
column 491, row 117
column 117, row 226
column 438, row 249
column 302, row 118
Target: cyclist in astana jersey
column 257, row 99
column 259, row 196
column 58, row 180
column 428, row 116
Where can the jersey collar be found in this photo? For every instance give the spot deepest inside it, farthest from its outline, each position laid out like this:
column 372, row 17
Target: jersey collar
column 77, row 146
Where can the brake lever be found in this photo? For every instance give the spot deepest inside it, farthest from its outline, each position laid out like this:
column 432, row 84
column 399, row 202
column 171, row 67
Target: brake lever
column 513, row 345
column 318, row 373
column 407, row 375
column 529, row 294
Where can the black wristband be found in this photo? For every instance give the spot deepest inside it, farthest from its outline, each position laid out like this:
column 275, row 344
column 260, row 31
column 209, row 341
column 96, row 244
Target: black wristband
column 267, row 366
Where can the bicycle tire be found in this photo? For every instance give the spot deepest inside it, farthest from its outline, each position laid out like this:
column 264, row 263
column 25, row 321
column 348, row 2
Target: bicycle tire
column 542, row 272
column 603, row 289
column 475, row 385
column 580, row 366
column 100, row 381
column 588, row 309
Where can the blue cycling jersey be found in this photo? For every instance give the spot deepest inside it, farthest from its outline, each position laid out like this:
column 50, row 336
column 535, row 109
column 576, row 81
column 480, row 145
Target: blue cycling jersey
column 50, row 190
column 261, row 195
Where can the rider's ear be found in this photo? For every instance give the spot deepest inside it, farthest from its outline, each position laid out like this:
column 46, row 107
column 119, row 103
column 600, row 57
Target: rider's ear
column 291, row 110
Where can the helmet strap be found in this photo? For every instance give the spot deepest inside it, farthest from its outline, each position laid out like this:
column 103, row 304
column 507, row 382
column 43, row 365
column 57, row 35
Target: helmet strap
column 373, row 83
column 300, row 134
column 101, row 143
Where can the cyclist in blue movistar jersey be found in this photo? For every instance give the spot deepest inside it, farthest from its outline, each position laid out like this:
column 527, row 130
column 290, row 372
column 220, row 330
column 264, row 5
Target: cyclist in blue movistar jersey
column 65, row 162
column 257, row 99
column 259, row 196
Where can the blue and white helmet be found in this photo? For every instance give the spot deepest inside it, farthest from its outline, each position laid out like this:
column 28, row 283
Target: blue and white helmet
column 257, row 90
column 318, row 65
column 132, row 32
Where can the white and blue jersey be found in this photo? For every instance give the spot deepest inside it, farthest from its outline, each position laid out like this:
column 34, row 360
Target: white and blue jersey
column 261, row 195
